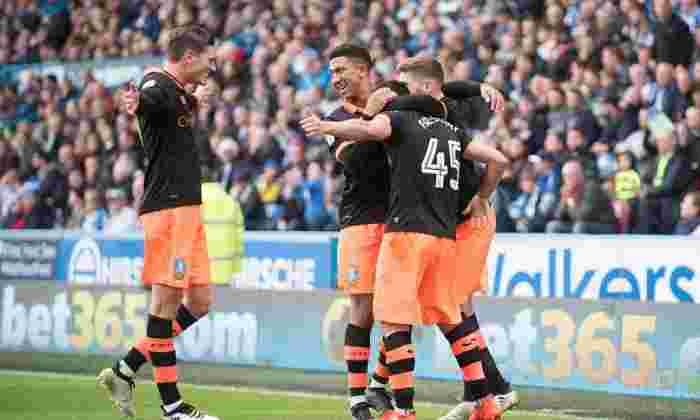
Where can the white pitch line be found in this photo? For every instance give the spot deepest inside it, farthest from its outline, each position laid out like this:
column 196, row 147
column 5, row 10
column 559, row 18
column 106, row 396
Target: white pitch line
column 274, row 392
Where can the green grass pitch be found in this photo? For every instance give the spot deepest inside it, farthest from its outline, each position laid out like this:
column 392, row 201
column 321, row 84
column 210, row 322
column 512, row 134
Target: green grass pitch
column 33, row 396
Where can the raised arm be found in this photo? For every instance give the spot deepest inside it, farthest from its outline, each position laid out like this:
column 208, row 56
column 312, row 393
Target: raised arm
column 376, row 129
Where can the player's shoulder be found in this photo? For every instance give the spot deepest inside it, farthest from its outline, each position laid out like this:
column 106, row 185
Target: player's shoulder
column 155, row 80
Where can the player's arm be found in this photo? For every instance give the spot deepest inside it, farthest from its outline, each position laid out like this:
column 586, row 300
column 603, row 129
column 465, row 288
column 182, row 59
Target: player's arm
column 465, row 89
column 424, row 104
column 376, row 129
column 496, row 164
column 462, row 89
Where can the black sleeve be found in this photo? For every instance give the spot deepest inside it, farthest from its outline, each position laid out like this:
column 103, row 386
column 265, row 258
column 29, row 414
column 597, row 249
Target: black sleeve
column 396, row 118
column 462, row 89
column 420, row 103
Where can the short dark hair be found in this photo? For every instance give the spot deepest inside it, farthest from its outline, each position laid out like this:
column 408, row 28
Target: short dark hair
column 353, row 52
column 395, row 86
column 188, row 37
column 427, row 68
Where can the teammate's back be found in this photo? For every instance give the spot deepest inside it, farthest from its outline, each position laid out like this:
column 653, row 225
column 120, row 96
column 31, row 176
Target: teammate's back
column 424, row 154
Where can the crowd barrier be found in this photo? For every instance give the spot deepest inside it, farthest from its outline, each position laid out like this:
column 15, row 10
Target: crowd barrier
column 621, row 347
column 635, row 268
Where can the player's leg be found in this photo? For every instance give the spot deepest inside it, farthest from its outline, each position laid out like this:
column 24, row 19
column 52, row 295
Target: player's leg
column 400, row 358
column 472, row 251
column 396, row 305
column 481, row 240
column 358, row 251
column 197, row 300
column 191, row 266
column 118, row 380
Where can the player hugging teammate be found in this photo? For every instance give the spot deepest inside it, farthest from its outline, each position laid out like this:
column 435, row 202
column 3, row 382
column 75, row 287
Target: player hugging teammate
column 415, row 255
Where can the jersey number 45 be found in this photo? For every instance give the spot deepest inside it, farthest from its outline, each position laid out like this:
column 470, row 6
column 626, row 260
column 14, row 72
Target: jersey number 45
column 434, row 163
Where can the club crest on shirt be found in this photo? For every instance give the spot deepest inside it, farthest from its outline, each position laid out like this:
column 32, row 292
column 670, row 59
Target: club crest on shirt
column 185, row 121
column 353, row 275
column 180, row 268
column 148, row 84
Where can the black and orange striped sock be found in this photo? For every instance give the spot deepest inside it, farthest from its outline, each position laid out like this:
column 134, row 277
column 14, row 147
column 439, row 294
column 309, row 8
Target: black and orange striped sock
column 497, row 383
column 381, row 374
column 139, row 354
column 401, row 361
column 162, row 350
column 357, row 359
column 467, row 346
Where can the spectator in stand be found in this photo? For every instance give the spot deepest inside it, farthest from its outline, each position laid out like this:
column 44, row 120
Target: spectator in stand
column 94, row 217
column 122, row 218
column 246, row 194
column 583, row 207
column 578, row 150
column 561, row 64
column 663, row 188
column 27, row 214
column 315, row 213
column 673, row 41
column 689, row 142
column 689, row 223
column 627, row 187
column 528, row 210
column 666, row 97
column 10, row 189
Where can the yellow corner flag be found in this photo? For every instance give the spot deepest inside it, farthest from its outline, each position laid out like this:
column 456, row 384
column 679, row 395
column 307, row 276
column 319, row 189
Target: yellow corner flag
column 224, row 226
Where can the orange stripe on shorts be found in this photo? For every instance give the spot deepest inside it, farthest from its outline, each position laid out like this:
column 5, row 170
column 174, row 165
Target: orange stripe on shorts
column 402, row 353
column 402, row 380
column 465, row 344
column 165, row 374
column 358, row 380
column 473, row 371
column 356, row 353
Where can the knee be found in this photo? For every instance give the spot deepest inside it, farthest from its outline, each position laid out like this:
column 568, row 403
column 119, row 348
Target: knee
column 361, row 311
column 467, row 308
column 200, row 308
column 163, row 308
column 199, row 304
column 164, row 301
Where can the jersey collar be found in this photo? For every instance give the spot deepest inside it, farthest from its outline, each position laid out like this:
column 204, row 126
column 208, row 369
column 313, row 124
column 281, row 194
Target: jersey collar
column 174, row 79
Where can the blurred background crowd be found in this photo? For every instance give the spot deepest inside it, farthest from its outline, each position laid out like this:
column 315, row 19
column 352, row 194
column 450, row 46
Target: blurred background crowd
column 602, row 125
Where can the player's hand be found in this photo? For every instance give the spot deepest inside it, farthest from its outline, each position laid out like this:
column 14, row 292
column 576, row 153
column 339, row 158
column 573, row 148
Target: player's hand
column 378, row 100
column 493, row 97
column 203, row 93
column 312, row 125
column 479, row 209
column 130, row 99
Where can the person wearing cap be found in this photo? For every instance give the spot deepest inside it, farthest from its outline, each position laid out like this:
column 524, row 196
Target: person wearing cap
column 122, row 217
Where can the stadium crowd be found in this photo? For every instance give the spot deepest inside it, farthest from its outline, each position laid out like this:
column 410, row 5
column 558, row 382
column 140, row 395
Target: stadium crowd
column 613, row 84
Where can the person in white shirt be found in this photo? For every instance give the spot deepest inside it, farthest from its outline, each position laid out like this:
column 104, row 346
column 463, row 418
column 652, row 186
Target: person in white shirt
column 122, row 217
